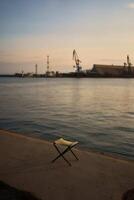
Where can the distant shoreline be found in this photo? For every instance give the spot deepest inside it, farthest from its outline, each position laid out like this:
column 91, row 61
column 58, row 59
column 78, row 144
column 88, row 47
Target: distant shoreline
column 98, row 71
column 64, row 76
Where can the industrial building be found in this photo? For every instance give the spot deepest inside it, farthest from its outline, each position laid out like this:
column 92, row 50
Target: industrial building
column 112, row 70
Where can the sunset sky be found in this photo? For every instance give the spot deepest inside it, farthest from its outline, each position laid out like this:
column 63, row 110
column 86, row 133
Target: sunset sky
column 101, row 31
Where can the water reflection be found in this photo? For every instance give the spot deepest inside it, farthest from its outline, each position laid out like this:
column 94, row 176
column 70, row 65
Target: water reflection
column 97, row 112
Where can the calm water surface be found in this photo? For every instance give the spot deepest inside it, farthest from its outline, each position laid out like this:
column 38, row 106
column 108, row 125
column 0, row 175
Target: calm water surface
column 99, row 113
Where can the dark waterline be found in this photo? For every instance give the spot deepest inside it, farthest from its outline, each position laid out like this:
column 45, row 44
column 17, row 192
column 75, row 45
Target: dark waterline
column 99, row 113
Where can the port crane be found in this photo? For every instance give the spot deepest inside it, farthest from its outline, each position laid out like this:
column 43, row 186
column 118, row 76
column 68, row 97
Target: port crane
column 129, row 64
column 128, row 61
column 77, row 61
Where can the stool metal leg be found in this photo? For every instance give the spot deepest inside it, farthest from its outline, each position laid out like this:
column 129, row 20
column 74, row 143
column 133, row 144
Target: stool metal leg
column 61, row 154
column 74, row 154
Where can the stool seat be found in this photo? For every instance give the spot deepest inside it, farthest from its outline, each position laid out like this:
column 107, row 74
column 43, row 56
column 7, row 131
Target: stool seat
column 61, row 141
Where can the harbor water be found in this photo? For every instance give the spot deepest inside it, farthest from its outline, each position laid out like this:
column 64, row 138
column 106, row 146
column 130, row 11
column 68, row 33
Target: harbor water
column 97, row 112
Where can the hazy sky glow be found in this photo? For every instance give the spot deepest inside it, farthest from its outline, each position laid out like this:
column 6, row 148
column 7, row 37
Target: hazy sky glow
column 101, row 31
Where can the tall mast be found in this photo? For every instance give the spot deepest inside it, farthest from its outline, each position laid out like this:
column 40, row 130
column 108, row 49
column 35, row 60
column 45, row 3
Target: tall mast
column 47, row 64
column 36, row 69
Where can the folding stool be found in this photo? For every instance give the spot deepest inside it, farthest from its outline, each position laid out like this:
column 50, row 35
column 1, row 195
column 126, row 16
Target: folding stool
column 67, row 144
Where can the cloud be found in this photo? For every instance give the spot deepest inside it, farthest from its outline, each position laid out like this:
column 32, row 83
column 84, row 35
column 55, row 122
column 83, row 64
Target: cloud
column 131, row 5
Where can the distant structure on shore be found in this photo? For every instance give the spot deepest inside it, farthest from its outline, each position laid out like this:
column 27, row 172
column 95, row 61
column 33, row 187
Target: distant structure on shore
column 77, row 62
column 98, row 71
column 47, row 72
column 127, row 70
column 36, row 69
column 111, row 70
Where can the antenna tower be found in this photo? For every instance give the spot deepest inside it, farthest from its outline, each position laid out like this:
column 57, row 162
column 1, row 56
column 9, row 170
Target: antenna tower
column 36, row 69
column 47, row 63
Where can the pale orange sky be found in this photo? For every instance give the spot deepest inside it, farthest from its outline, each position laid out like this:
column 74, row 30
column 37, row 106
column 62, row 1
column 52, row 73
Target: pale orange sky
column 100, row 33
